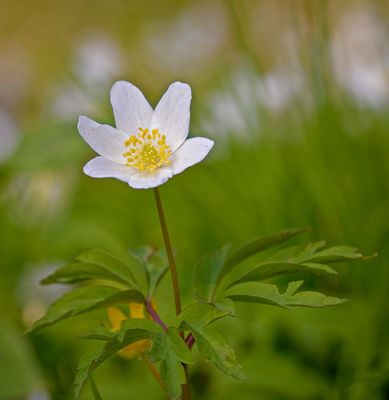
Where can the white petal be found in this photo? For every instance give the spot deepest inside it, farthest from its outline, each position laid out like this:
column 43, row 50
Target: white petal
column 130, row 108
column 147, row 181
column 172, row 114
column 101, row 167
column 104, row 139
column 190, row 153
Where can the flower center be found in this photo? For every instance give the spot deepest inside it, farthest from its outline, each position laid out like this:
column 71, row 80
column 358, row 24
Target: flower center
column 147, row 151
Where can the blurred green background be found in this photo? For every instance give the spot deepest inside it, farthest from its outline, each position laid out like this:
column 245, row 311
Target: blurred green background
column 295, row 95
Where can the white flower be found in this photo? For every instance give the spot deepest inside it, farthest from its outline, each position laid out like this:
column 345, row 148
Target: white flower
column 148, row 146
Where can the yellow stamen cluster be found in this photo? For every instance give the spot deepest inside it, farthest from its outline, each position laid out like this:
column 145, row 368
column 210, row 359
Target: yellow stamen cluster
column 147, row 150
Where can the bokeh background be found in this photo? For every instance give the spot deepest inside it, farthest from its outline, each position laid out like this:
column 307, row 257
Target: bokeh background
column 295, row 95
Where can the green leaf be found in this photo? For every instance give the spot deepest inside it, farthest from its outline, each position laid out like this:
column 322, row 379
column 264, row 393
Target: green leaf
column 94, row 264
column 309, row 253
column 99, row 333
column 83, row 300
column 131, row 331
column 137, row 323
column 79, row 272
column 216, row 350
column 211, row 344
column 102, row 333
column 174, row 343
column 226, row 304
column 265, row 293
column 137, row 260
column 255, row 246
column 296, row 253
column 207, row 271
column 156, row 265
column 169, row 348
column 142, row 252
column 87, row 364
column 199, row 315
column 106, row 260
column 303, row 258
column 270, row 270
column 335, row 254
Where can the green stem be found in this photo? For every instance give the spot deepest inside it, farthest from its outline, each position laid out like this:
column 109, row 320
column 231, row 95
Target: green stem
column 95, row 391
column 169, row 251
column 173, row 270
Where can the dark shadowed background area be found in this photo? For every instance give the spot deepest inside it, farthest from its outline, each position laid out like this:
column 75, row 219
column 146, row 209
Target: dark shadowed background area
column 295, row 95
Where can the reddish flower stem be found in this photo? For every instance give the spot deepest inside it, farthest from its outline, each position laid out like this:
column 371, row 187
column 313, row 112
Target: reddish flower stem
column 154, row 315
column 190, row 340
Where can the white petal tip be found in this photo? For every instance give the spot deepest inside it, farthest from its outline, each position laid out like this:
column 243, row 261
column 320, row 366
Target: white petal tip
column 210, row 143
column 122, row 85
column 117, row 85
column 81, row 120
column 85, row 124
column 190, row 153
column 90, row 169
column 86, row 169
column 183, row 86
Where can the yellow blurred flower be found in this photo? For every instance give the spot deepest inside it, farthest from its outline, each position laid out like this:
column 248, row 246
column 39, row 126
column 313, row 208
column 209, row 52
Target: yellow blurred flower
column 116, row 316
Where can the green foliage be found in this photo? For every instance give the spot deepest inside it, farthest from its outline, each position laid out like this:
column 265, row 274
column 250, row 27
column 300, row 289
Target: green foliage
column 258, row 292
column 143, row 268
column 201, row 314
column 259, row 244
column 220, row 279
column 211, row 344
column 300, row 259
column 270, row 270
column 130, row 331
column 335, row 254
column 82, row 300
column 95, row 264
column 243, row 284
column 155, row 263
column 88, row 362
column 313, row 252
column 215, row 349
column 207, row 272
column 169, row 348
